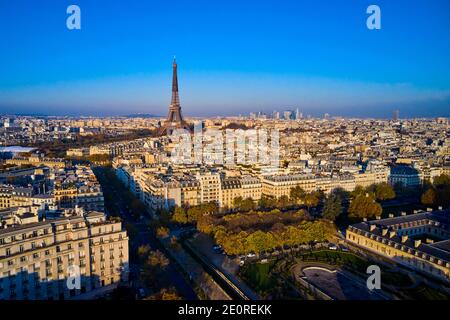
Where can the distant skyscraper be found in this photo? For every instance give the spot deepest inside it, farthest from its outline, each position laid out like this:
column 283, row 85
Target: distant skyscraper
column 276, row 115
column 395, row 115
column 174, row 118
column 287, row 114
column 298, row 115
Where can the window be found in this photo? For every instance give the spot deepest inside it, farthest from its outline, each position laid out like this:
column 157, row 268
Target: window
column 8, row 251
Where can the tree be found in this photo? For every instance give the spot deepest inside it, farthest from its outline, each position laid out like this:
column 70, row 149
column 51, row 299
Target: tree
column 442, row 180
column 364, row 206
column 237, row 202
column 297, row 194
column 157, row 259
column 429, row 197
column 332, row 207
column 165, row 294
column 154, row 268
column 283, row 202
column 384, row 191
column 143, row 252
column 247, row 205
column 180, row 215
column 311, row 199
column 267, row 202
column 205, row 224
column 442, row 187
column 359, row 190
column 194, row 213
column 162, row 232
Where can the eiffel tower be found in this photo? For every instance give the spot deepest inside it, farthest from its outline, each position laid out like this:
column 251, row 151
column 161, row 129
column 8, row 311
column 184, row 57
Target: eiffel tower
column 174, row 118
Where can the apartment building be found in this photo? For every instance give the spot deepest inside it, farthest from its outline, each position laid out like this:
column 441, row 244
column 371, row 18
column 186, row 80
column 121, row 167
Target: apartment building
column 231, row 189
column 281, row 185
column 251, row 187
column 12, row 196
column 210, row 185
column 35, row 257
column 368, row 178
column 36, row 160
column 406, row 175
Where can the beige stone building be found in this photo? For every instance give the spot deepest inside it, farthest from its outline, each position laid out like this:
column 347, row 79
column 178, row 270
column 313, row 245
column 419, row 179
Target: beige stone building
column 35, row 160
column 35, row 257
column 281, row 185
column 231, row 189
column 419, row 241
column 251, row 187
column 210, row 185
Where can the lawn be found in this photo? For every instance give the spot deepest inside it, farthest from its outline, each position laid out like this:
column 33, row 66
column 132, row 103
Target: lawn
column 259, row 276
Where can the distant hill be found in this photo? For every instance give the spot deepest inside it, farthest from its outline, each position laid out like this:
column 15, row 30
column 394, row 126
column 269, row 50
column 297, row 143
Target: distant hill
column 142, row 115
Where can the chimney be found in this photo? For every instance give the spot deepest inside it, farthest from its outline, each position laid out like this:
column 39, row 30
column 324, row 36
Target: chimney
column 384, row 231
column 372, row 227
column 403, row 213
column 392, row 234
column 404, row 238
column 417, row 243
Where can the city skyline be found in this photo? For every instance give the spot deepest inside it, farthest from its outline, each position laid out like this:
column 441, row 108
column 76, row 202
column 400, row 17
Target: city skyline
column 235, row 59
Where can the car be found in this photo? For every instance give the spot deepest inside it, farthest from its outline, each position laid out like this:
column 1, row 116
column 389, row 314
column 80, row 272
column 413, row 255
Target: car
column 251, row 255
column 332, row 246
column 263, row 260
column 345, row 249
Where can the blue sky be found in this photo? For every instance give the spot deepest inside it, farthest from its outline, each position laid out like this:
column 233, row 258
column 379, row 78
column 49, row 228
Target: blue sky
column 234, row 57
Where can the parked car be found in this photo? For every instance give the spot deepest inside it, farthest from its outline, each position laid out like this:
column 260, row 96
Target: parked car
column 332, row 246
column 251, row 255
column 217, row 249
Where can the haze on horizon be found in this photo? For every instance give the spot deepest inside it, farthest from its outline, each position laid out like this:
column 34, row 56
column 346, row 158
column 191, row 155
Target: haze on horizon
column 234, row 57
